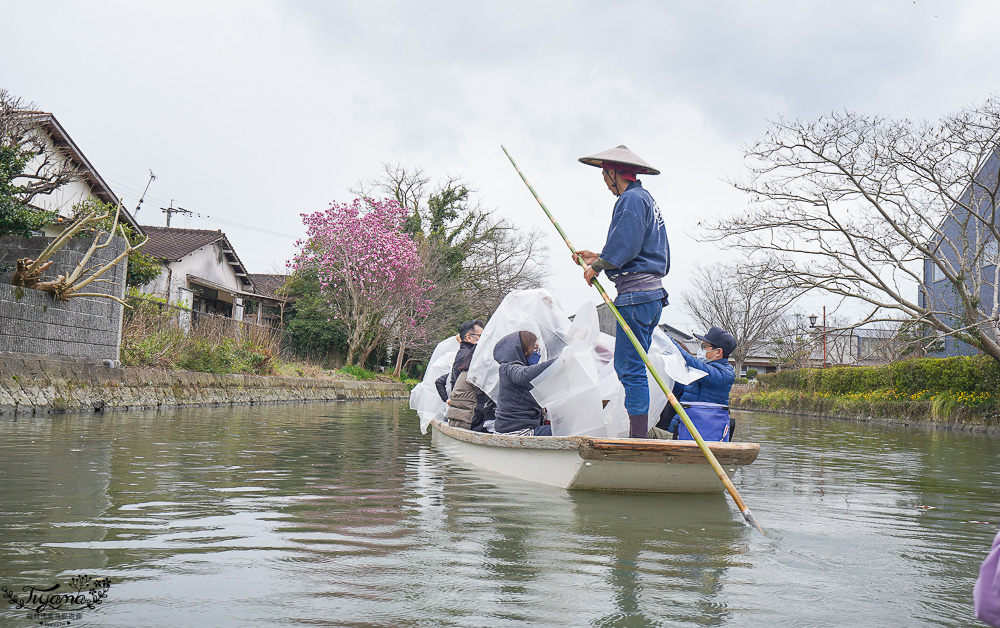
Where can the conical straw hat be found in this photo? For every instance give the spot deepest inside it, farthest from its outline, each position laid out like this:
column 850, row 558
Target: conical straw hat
column 620, row 155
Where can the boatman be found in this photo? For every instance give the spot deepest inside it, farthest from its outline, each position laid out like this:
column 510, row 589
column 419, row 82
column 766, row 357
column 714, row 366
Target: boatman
column 635, row 257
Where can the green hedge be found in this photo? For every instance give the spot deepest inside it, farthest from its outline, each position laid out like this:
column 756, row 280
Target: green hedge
column 974, row 407
column 969, row 374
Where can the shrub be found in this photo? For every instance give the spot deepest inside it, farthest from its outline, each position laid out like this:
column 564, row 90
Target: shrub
column 888, row 402
column 358, row 372
column 150, row 337
column 969, row 374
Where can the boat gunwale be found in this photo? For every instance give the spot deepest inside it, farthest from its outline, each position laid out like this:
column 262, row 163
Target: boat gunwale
column 663, row 450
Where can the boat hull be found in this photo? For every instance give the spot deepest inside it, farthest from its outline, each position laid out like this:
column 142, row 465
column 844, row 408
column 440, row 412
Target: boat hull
column 583, row 462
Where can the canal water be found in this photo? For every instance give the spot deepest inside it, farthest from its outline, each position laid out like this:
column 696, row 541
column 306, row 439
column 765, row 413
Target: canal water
column 343, row 514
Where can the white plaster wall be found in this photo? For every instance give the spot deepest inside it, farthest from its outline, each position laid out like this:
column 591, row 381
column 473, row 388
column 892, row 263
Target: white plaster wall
column 185, row 296
column 62, row 199
column 204, row 263
column 157, row 287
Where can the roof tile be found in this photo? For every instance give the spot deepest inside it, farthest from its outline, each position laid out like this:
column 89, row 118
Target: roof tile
column 266, row 285
column 173, row 244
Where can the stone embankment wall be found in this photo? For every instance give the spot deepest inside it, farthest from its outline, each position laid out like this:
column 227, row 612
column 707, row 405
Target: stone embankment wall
column 41, row 385
column 31, row 321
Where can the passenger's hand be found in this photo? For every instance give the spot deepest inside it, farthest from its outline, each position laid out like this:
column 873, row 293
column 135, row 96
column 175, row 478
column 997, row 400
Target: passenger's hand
column 448, row 402
column 589, row 274
column 588, row 257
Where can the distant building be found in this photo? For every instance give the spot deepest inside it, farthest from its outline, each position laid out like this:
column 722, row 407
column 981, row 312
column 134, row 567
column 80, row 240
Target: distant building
column 201, row 271
column 762, row 360
column 963, row 240
column 267, row 306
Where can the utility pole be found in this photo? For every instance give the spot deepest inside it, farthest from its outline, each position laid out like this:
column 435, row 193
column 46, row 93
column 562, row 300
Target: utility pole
column 174, row 210
column 824, row 336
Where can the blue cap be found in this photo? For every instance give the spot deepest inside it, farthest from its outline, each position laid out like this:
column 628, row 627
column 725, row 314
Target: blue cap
column 719, row 337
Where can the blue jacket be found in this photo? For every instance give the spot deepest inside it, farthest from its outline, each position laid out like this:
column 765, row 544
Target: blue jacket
column 714, row 387
column 637, row 238
column 516, row 408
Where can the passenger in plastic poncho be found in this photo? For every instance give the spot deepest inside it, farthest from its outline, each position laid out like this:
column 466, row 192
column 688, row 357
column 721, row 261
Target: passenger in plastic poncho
column 468, row 407
column 716, row 345
column 636, row 257
column 468, row 335
column 517, row 411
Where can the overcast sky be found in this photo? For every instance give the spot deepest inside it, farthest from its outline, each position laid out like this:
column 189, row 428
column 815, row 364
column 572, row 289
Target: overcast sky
column 252, row 113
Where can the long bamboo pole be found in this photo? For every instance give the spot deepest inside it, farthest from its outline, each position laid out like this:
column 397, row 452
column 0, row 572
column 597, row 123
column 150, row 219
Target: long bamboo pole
column 649, row 365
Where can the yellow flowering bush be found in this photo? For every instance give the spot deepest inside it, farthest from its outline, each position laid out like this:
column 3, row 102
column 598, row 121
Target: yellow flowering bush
column 885, row 402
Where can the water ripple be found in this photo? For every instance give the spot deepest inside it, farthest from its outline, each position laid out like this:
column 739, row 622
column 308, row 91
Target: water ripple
column 343, row 514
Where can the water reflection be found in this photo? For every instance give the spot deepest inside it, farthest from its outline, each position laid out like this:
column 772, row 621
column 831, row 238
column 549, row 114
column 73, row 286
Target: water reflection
column 343, row 514
column 601, row 558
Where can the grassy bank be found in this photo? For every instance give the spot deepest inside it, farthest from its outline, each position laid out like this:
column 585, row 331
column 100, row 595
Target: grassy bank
column 951, row 390
column 152, row 338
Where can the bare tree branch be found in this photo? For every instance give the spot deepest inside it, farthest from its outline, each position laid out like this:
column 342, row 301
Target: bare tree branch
column 882, row 212
column 742, row 300
column 47, row 167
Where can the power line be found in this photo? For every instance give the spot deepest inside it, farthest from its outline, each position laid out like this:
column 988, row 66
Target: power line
column 214, row 211
column 250, row 228
column 266, row 227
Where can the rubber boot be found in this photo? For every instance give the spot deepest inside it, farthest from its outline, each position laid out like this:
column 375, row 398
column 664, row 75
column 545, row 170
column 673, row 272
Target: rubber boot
column 638, row 425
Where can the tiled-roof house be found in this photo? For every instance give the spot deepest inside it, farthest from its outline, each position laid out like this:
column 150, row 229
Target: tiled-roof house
column 201, row 271
column 269, row 307
column 90, row 184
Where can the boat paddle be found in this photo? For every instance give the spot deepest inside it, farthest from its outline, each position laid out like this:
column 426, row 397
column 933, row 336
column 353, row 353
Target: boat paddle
column 649, row 365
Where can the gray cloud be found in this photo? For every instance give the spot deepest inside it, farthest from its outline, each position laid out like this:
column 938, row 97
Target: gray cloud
column 253, row 112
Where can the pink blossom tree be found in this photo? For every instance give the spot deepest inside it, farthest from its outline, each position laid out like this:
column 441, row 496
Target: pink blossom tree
column 369, row 271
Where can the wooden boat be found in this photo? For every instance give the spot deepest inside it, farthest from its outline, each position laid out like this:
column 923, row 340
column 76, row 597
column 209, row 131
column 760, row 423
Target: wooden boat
column 585, row 462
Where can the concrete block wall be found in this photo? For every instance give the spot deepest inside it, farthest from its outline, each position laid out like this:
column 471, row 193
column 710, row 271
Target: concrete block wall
column 40, row 385
column 32, row 322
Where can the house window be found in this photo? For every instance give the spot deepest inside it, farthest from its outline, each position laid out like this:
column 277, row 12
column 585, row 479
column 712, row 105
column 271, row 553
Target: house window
column 936, row 273
column 207, row 300
column 990, row 253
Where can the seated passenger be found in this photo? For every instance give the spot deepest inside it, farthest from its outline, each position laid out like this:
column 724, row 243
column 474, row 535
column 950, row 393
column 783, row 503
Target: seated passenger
column 468, row 335
column 716, row 346
column 464, row 397
column 517, row 412
column 470, row 417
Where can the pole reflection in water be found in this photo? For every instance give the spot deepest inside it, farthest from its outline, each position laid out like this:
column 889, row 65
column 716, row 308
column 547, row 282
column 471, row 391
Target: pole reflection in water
column 341, row 514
